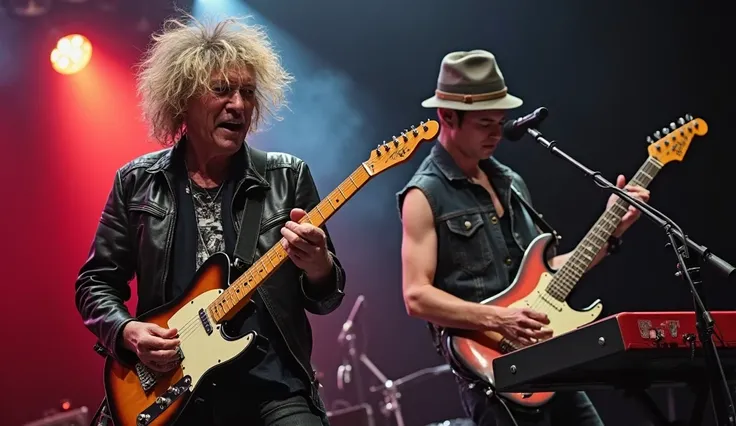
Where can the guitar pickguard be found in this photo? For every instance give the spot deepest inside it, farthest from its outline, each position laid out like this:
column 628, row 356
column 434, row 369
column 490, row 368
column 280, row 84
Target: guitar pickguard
column 562, row 318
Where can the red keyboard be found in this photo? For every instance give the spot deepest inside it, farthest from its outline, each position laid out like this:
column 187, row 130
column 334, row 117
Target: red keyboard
column 626, row 350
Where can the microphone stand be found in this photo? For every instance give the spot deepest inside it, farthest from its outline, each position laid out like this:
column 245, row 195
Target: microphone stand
column 355, row 360
column 718, row 384
column 347, row 334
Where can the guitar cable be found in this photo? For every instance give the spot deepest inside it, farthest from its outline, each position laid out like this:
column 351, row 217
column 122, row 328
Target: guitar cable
column 500, row 401
column 508, row 410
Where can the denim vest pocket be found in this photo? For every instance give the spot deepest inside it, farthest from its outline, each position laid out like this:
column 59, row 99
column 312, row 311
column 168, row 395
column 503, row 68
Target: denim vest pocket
column 468, row 242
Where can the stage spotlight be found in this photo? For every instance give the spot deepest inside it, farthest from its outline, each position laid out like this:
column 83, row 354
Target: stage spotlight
column 72, row 54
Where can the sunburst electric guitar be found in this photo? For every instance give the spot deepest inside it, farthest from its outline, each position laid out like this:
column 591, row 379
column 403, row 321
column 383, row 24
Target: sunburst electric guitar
column 139, row 397
column 538, row 287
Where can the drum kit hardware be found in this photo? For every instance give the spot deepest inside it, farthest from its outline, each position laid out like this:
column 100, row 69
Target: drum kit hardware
column 350, row 373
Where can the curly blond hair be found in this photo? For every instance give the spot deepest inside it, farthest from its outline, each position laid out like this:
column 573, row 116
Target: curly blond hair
column 182, row 59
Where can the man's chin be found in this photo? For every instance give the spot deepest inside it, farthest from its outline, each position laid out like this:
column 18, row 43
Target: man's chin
column 230, row 143
column 488, row 150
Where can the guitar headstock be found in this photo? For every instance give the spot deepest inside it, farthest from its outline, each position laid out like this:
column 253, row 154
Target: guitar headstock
column 400, row 148
column 672, row 143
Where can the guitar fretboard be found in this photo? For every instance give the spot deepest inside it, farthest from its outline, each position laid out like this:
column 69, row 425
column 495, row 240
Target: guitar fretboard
column 570, row 273
column 235, row 297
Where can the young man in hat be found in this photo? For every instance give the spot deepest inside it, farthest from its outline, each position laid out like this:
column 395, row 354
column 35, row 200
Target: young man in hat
column 464, row 234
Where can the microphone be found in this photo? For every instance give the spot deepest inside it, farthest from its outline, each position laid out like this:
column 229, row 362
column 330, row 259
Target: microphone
column 348, row 325
column 515, row 130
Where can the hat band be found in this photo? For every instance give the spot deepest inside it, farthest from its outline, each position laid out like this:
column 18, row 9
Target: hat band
column 469, row 99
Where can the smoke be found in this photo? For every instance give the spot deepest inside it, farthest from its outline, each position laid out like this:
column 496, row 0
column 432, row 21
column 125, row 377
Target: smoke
column 322, row 125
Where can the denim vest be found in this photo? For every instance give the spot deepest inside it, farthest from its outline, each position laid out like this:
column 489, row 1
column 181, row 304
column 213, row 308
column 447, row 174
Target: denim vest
column 472, row 256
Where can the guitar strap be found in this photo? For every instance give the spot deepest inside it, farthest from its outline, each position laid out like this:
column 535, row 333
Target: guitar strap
column 543, row 224
column 250, row 224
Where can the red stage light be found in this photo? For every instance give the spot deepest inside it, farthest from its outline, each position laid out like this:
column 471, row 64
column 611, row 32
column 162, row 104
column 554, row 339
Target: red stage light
column 72, row 54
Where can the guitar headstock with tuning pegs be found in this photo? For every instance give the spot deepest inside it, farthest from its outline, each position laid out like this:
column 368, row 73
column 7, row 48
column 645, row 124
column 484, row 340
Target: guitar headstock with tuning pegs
column 671, row 144
column 400, row 148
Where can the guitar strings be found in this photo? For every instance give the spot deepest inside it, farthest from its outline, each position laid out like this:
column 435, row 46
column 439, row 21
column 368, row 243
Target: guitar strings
column 567, row 275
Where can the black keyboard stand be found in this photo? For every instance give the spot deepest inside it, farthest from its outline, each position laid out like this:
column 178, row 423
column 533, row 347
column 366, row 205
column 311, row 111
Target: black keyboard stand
column 654, row 413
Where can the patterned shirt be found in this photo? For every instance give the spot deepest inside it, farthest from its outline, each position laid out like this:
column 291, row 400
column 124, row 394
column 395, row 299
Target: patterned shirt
column 208, row 210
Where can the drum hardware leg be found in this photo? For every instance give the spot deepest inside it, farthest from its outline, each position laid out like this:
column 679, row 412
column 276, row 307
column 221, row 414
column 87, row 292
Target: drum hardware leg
column 641, row 396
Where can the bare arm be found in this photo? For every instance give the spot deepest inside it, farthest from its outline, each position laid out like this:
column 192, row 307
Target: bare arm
column 419, row 261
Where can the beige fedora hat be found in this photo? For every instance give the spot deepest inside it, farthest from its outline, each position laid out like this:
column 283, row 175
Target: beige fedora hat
column 471, row 81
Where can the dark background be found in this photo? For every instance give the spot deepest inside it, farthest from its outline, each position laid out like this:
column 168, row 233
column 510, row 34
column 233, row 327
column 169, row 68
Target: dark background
column 611, row 73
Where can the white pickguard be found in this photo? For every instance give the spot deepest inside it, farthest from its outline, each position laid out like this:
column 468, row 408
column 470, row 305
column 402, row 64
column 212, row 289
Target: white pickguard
column 202, row 351
column 562, row 318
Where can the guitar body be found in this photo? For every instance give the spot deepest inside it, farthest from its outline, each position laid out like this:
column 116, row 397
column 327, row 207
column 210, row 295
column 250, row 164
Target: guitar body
column 472, row 352
column 204, row 347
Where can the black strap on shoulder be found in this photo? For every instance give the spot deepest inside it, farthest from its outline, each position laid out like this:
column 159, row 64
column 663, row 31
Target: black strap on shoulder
column 546, row 227
column 245, row 246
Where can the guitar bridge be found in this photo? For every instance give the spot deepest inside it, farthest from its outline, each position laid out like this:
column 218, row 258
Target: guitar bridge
column 146, row 377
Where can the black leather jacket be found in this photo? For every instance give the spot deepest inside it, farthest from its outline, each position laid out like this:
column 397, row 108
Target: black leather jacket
column 135, row 237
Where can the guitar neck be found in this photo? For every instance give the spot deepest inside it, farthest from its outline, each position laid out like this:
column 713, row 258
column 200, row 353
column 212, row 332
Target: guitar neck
column 586, row 251
column 239, row 292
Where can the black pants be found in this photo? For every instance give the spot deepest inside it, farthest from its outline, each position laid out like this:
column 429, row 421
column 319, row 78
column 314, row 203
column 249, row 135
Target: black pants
column 294, row 410
column 565, row 409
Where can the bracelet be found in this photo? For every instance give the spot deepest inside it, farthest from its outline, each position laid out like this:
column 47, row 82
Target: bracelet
column 614, row 244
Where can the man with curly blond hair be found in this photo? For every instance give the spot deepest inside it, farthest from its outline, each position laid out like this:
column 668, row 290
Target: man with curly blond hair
column 204, row 89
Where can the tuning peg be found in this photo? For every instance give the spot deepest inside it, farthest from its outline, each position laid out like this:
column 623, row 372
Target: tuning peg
column 378, row 150
column 665, row 130
column 688, row 117
column 680, row 121
column 649, row 139
column 396, row 141
column 657, row 135
column 673, row 126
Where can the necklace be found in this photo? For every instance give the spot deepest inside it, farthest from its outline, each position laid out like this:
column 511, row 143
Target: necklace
column 211, row 203
column 190, row 190
column 209, row 206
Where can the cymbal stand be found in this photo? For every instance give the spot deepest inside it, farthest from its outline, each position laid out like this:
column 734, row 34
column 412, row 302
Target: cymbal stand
column 390, row 388
column 390, row 392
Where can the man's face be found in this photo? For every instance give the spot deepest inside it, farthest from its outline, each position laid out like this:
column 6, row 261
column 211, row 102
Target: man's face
column 220, row 119
column 479, row 132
